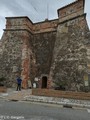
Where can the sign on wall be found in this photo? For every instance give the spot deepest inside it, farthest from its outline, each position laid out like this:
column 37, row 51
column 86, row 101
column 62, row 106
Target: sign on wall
column 36, row 79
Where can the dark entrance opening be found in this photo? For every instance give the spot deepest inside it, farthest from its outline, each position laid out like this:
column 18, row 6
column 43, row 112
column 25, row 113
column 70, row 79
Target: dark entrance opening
column 89, row 79
column 44, row 82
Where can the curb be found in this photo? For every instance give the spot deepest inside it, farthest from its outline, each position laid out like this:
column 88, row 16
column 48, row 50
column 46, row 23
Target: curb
column 64, row 104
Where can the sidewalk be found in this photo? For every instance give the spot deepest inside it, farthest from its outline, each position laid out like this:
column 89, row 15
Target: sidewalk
column 26, row 95
column 14, row 95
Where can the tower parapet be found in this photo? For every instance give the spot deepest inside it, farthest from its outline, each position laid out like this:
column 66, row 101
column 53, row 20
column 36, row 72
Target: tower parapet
column 71, row 11
column 19, row 23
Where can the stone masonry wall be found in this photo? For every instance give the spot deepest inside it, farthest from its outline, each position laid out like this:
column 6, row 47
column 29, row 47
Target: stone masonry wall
column 19, row 23
column 15, row 51
column 29, row 67
column 70, row 54
column 56, row 49
column 46, row 26
column 72, row 10
column 24, row 51
column 10, row 56
column 43, row 45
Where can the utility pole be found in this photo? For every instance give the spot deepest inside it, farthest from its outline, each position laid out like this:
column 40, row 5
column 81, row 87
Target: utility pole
column 47, row 11
column 47, row 14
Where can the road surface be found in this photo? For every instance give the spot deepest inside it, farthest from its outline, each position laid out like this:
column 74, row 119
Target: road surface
column 10, row 110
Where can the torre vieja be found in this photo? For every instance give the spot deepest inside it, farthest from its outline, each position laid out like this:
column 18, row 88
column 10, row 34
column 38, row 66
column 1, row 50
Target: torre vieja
column 49, row 53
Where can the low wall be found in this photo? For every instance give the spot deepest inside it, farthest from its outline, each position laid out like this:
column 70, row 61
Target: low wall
column 61, row 94
column 3, row 89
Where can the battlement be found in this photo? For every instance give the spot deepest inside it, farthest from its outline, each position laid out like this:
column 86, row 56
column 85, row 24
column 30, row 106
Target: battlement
column 24, row 23
column 15, row 23
column 71, row 10
column 67, row 12
column 45, row 26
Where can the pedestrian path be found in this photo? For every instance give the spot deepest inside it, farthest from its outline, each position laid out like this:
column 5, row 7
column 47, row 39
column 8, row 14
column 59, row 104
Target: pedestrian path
column 19, row 95
column 14, row 95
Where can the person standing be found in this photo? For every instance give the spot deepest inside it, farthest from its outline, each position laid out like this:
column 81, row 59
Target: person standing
column 19, row 81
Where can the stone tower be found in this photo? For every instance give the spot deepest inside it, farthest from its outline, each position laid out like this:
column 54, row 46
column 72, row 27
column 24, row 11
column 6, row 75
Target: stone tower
column 70, row 56
column 49, row 53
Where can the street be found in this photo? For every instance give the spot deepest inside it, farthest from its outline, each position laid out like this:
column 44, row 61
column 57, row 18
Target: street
column 10, row 110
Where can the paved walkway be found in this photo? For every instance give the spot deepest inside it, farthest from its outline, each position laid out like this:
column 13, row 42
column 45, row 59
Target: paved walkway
column 26, row 95
column 14, row 95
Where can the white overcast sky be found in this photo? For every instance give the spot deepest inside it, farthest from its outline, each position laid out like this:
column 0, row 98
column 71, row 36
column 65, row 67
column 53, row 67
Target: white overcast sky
column 36, row 10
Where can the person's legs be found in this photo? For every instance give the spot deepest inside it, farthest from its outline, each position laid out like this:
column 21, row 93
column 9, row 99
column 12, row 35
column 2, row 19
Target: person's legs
column 19, row 86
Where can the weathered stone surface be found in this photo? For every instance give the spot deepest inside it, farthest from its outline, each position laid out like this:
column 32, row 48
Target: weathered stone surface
column 10, row 55
column 72, row 10
column 56, row 50
column 70, row 56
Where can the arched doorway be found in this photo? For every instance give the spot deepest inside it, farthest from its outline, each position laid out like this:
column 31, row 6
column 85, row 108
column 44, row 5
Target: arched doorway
column 44, row 82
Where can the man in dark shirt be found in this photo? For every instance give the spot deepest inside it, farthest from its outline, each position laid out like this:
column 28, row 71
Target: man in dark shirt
column 19, row 81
